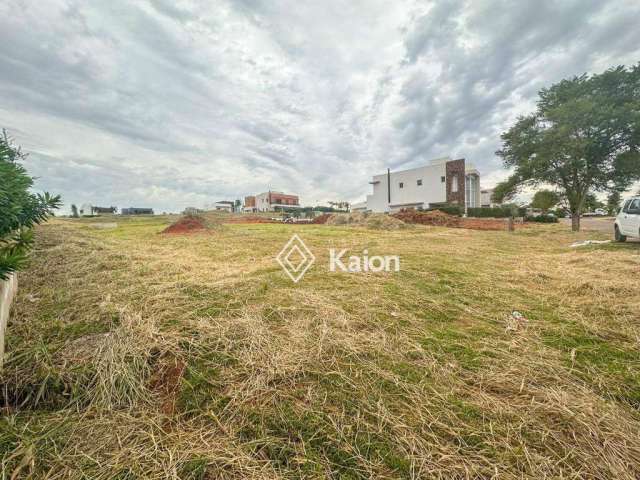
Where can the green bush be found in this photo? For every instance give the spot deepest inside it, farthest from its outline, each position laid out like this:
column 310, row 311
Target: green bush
column 496, row 212
column 20, row 209
column 541, row 218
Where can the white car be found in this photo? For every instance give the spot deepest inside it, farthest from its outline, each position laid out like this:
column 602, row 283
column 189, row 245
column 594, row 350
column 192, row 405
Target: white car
column 628, row 220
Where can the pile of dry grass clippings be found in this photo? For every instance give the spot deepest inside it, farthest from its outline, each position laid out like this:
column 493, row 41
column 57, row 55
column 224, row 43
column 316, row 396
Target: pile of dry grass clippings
column 373, row 221
column 432, row 217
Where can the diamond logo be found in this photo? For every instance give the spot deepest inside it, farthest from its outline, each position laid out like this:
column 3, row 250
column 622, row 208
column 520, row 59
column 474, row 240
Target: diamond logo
column 295, row 258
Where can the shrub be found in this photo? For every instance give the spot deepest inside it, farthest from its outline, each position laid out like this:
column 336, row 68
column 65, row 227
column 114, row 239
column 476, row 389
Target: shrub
column 20, row 209
column 496, row 212
column 542, row 219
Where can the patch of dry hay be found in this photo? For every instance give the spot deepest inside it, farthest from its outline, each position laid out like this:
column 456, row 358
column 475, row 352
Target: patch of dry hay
column 373, row 221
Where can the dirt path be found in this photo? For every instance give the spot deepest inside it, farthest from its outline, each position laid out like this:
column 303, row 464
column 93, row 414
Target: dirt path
column 598, row 224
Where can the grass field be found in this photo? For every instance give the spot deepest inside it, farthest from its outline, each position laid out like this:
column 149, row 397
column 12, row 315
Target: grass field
column 138, row 355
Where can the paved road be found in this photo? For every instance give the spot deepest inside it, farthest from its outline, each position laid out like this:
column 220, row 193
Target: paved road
column 600, row 224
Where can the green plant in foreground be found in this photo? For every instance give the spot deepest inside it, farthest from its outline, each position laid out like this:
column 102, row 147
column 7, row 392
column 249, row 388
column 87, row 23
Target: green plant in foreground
column 20, row 209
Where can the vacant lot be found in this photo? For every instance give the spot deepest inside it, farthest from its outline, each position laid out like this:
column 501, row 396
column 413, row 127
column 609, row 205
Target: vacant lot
column 138, row 355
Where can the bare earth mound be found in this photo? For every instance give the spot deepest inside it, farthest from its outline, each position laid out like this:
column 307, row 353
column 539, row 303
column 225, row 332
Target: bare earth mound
column 186, row 225
column 321, row 219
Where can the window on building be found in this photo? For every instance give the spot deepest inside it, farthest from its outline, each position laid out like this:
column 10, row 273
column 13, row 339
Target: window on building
column 454, row 184
column 419, row 182
column 401, row 185
column 443, row 179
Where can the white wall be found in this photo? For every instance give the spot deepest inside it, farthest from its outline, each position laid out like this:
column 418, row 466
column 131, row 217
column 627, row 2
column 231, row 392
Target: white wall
column 358, row 206
column 262, row 202
column 8, row 289
column 432, row 190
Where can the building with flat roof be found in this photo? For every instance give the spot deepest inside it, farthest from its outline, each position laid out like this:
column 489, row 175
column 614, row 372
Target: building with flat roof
column 249, row 204
column 136, row 211
column 271, row 201
column 486, row 198
column 224, row 206
column 442, row 182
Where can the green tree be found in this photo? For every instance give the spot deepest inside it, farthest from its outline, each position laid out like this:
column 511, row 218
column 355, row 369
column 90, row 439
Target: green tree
column 340, row 206
column 591, row 203
column 74, row 211
column 544, row 200
column 613, row 202
column 583, row 138
column 20, row 210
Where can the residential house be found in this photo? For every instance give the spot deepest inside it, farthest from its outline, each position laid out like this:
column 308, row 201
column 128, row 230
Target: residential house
column 136, row 211
column 271, row 201
column 442, row 182
column 486, row 198
column 101, row 210
column 249, row 204
column 224, row 206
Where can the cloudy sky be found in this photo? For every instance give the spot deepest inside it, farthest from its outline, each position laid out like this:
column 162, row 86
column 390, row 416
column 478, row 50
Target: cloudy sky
column 170, row 103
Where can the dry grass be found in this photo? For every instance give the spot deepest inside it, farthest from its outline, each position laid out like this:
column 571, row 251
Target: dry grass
column 372, row 221
column 138, row 355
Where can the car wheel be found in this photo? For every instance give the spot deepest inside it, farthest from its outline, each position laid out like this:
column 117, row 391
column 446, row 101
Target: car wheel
column 618, row 236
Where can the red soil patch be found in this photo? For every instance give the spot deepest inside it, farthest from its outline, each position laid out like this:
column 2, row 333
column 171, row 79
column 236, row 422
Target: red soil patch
column 186, row 225
column 321, row 219
column 166, row 382
column 441, row 219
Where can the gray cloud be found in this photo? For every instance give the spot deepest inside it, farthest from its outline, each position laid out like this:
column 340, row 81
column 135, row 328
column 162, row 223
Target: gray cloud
column 170, row 104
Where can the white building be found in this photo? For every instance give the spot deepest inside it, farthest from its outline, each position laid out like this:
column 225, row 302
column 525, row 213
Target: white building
column 485, row 198
column 359, row 207
column 271, row 201
column 442, row 182
column 224, row 206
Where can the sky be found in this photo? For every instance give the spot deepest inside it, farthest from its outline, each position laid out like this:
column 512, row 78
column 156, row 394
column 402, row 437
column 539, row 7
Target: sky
column 170, row 104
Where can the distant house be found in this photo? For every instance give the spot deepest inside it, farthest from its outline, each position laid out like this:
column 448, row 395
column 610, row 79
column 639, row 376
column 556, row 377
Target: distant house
column 223, row 206
column 441, row 182
column 192, row 211
column 99, row 210
column 272, row 201
column 136, row 211
column 249, row 204
column 486, row 198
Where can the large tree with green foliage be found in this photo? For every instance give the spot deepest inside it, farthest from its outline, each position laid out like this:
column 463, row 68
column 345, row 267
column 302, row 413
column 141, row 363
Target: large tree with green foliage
column 591, row 203
column 544, row 200
column 583, row 138
column 20, row 209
